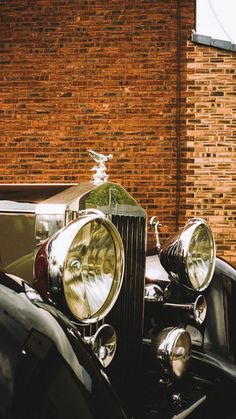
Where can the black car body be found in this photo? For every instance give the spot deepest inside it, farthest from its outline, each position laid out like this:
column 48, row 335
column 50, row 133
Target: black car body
column 81, row 253
column 47, row 370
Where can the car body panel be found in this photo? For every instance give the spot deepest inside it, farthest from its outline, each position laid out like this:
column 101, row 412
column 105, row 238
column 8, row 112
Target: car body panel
column 33, row 334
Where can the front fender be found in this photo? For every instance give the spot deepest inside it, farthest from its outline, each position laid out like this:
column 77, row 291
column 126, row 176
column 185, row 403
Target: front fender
column 220, row 325
column 45, row 366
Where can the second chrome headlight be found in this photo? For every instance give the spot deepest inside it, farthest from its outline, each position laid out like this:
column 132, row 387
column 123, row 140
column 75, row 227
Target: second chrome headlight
column 82, row 267
column 189, row 256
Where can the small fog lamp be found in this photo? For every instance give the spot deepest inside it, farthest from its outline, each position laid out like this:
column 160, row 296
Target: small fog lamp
column 172, row 347
column 194, row 311
column 103, row 344
column 200, row 309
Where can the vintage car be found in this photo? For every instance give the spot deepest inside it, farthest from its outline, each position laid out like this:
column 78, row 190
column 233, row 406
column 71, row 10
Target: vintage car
column 93, row 327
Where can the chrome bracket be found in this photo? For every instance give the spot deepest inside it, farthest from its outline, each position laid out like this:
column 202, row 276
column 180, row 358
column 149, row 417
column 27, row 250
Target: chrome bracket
column 155, row 224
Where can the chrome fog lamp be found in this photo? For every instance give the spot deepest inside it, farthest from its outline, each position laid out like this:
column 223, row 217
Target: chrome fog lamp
column 172, row 347
column 103, row 344
column 189, row 256
column 199, row 309
column 153, row 293
column 194, row 311
column 82, row 266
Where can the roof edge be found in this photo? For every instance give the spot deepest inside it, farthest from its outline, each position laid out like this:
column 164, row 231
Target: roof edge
column 212, row 42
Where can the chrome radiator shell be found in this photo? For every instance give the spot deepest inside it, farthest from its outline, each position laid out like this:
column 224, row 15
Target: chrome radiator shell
column 31, row 213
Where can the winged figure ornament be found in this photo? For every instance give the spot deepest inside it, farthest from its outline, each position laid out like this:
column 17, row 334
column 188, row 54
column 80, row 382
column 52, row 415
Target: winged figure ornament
column 100, row 176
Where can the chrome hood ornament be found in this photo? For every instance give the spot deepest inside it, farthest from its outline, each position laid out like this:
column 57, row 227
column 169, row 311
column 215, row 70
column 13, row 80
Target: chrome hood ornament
column 100, row 176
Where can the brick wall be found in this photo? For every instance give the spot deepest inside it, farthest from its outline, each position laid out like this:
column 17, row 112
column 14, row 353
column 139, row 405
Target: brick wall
column 211, row 143
column 115, row 76
column 95, row 74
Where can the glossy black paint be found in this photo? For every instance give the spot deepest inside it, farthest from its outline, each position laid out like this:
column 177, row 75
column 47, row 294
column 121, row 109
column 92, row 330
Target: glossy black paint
column 220, row 325
column 47, row 371
column 212, row 371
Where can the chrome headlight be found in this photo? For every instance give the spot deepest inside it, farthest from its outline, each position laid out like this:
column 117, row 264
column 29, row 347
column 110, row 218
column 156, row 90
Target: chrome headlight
column 189, row 256
column 172, row 347
column 82, row 266
column 103, row 344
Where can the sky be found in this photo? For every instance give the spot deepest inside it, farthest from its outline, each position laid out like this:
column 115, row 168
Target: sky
column 217, row 18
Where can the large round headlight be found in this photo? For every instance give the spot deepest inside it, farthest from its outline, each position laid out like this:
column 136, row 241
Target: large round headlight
column 82, row 267
column 189, row 256
column 172, row 347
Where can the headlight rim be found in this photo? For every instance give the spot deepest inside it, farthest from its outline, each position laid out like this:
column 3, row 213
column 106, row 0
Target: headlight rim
column 196, row 223
column 56, row 292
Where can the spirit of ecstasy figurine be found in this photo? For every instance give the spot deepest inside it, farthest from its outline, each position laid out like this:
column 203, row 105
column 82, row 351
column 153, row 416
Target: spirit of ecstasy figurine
column 100, row 176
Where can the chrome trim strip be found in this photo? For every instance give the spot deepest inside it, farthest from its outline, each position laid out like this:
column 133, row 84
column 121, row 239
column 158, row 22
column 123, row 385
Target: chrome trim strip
column 190, row 409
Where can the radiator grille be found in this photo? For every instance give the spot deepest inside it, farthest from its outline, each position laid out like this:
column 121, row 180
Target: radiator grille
column 127, row 314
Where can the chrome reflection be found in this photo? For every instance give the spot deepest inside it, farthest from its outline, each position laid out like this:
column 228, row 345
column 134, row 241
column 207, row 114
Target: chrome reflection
column 85, row 262
column 195, row 311
column 89, row 269
column 201, row 257
column 153, row 293
column 100, row 176
column 172, row 347
column 103, row 344
column 155, row 224
column 189, row 256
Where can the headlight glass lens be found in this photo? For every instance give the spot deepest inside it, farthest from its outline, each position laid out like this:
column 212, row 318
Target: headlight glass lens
column 89, row 270
column 201, row 257
column 189, row 256
column 81, row 267
column 181, row 353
